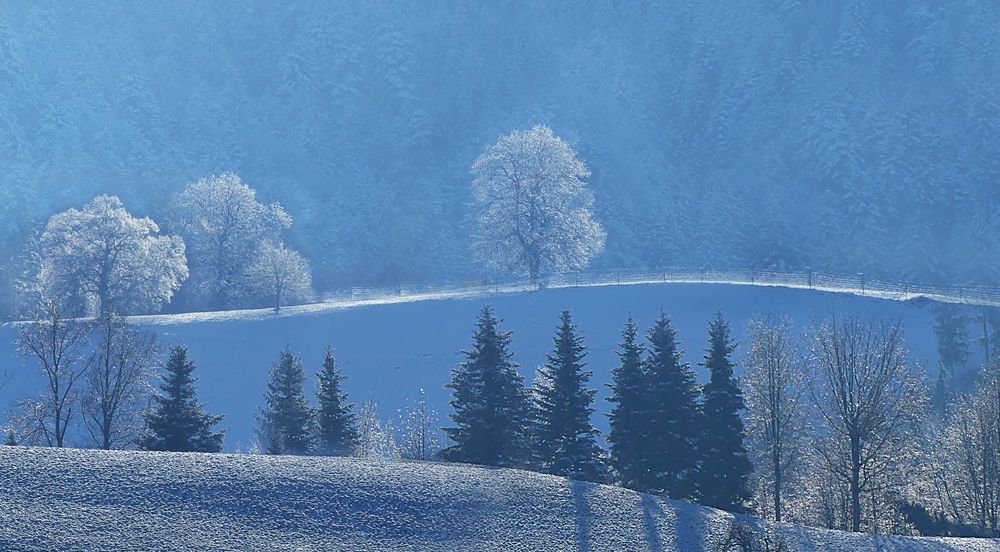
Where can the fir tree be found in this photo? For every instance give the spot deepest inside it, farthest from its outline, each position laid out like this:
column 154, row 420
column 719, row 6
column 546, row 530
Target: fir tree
column 337, row 428
column 177, row 421
column 286, row 424
column 725, row 465
column 671, row 416
column 489, row 400
column 564, row 438
column 627, row 420
column 953, row 352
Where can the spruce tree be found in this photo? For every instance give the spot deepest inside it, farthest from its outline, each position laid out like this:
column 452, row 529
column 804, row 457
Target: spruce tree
column 725, row 466
column 564, row 439
column 337, row 432
column 177, row 421
column 671, row 414
column 489, row 400
column 627, row 417
column 286, row 424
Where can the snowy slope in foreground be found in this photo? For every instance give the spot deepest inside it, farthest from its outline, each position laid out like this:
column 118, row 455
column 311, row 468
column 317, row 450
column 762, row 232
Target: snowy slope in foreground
column 80, row 499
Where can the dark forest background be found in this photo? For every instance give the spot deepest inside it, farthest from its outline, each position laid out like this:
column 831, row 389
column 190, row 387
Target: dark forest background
column 841, row 136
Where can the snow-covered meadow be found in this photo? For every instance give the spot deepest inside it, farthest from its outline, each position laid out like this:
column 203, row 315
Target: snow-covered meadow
column 125, row 500
column 390, row 350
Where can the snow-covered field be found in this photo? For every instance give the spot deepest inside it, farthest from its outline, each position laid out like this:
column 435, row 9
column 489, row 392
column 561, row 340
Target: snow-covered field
column 388, row 350
column 95, row 500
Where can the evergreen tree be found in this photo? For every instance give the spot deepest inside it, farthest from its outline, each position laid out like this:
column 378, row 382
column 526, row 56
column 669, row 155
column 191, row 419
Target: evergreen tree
column 490, row 402
column 286, row 424
column 177, row 421
column 564, row 438
column 337, row 428
column 953, row 353
column 672, row 416
column 627, row 420
column 723, row 477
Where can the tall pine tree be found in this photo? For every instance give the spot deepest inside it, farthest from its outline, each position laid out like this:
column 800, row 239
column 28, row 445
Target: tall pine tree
column 672, row 415
column 489, row 400
column 725, row 465
column 627, row 417
column 177, row 421
column 286, row 424
column 564, row 439
column 337, row 432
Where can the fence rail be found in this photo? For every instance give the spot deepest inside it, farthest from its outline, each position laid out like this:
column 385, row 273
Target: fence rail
column 856, row 284
column 358, row 296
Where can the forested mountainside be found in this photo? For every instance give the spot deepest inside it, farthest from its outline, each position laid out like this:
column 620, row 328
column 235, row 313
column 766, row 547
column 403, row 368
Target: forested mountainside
column 844, row 136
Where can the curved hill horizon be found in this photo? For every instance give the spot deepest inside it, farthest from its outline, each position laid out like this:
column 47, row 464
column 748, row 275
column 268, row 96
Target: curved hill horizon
column 389, row 351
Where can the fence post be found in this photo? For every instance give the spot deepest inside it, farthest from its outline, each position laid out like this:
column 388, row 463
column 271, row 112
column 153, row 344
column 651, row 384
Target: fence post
column 809, row 278
column 862, row 275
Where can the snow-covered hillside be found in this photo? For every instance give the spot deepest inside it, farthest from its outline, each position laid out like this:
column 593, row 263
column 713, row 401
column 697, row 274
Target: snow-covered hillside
column 95, row 500
column 389, row 351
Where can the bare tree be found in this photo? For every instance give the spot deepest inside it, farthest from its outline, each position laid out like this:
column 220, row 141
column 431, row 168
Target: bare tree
column 869, row 400
column 58, row 345
column 374, row 440
column 774, row 388
column 972, row 444
column 418, row 433
column 118, row 382
column 281, row 273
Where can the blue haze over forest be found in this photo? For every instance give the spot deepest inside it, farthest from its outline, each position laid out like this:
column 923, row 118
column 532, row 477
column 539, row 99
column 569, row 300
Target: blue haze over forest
column 843, row 136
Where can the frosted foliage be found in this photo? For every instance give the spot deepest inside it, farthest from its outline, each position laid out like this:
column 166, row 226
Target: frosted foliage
column 533, row 210
column 375, row 441
column 773, row 386
column 280, row 274
column 224, row 226
column 103, row 256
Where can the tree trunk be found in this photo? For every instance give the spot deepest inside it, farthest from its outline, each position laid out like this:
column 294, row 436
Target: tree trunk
column 855, row 485
column 777, row 490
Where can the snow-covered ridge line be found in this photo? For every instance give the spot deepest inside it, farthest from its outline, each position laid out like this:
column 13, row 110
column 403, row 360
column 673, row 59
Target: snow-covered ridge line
column 360, row 297
column 131, row 500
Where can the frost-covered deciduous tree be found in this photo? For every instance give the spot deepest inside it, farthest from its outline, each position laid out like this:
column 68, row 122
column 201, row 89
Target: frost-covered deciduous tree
column 117, row 383
column 375, row 441
column 533, row 210
column 774, row 387
column 102, row 254
column 224, row 226
column 418, row 433
column 280, row 273
column 59, row 347
column 870, row 399
column 972, row 461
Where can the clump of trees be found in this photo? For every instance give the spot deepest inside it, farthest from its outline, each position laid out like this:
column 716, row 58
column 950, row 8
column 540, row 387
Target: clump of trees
column 226, row 252
column 234, row 244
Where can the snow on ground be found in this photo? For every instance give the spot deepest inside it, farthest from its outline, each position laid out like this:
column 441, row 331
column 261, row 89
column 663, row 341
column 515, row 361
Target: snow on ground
column 95, row 500
column 390, row 350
